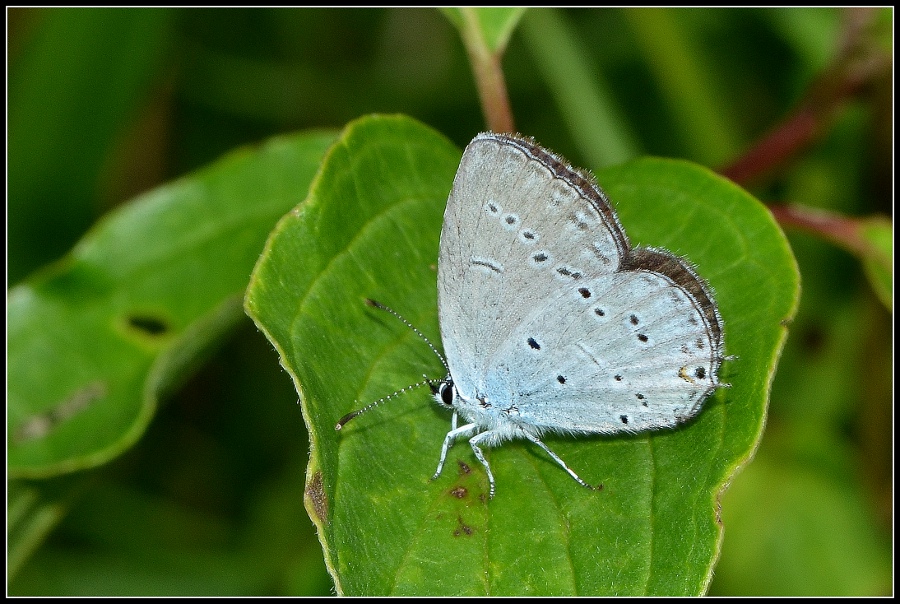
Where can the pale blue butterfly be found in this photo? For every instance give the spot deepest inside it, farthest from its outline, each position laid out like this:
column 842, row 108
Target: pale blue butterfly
column 550, row 320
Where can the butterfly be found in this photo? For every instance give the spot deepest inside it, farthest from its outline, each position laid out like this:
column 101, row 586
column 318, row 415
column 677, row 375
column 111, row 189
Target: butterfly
column 551, row 321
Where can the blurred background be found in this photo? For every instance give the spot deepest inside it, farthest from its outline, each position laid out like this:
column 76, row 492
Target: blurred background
column 106, row 103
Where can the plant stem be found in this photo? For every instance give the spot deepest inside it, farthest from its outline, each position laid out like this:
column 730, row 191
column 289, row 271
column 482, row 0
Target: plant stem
column 488, row 75
column 842, row 231
column 857, row 64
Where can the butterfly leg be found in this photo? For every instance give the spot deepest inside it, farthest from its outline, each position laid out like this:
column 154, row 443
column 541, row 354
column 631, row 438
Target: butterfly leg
column 448, row 440
column 556, row 458
column 475, row 441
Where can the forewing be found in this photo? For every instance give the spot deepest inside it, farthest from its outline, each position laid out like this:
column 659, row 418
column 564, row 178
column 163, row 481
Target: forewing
column 520, row 227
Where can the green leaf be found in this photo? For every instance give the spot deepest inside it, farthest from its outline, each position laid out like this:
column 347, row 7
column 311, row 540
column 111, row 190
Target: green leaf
column 494, row 25
column 96, row 338
column 878, row 233
column 370, row 228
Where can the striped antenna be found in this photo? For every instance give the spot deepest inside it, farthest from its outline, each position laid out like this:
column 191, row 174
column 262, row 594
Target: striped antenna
column 381, row 306
column 427, row 381
column 351, row 415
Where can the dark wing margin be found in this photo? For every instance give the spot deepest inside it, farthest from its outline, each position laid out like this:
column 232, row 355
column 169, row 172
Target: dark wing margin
column 682, row 274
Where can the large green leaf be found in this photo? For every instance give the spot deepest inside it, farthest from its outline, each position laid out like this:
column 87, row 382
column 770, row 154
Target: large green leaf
column 370, row 228
column 97, row 337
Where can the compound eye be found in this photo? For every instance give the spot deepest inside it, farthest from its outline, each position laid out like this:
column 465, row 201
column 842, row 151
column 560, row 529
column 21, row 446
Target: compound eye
column 448, row 393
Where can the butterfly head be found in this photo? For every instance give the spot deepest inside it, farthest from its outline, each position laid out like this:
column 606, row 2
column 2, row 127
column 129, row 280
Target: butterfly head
column 444, row 391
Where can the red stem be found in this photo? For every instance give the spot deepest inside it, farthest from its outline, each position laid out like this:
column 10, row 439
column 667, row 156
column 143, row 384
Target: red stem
column 857, row 64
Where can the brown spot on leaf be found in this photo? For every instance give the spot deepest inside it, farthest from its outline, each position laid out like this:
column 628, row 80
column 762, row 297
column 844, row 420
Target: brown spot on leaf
column 40, row 424
column 315, row 494
column 462, row 529
column 459, row 492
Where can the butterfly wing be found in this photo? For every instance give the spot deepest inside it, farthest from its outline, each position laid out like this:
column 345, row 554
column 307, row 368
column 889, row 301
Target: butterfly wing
column 502, row 247
column 547, row 312
column 636, row 353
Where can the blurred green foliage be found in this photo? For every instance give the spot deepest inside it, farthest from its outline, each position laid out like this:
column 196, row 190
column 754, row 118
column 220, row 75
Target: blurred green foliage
column 105, row 103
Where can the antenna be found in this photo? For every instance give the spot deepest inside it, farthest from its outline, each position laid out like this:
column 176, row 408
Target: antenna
column 426, row 381
column 353, row 414
column 381, row 306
